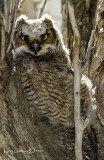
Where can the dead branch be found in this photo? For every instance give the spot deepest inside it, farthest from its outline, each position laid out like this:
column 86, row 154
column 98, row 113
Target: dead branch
column 101, row 119
column 11, row 7
column 20, row 5
column 12, row 17
column 12, row 30
column 85, row 124
column 87, row 55
column 2, row 43
column 2, row 23
column 79, row 127
column 42, row 8
column 5, row 10
column 10, row 14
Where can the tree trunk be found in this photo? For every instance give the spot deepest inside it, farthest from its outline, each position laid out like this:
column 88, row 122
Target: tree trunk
column 22, row 135
column 89, row 17
column 96, row 70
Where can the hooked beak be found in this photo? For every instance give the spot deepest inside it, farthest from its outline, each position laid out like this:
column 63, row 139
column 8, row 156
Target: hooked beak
column 35, row 46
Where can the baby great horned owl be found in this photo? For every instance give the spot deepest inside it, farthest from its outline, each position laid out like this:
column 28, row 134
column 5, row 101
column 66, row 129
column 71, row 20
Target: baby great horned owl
column 42, row 61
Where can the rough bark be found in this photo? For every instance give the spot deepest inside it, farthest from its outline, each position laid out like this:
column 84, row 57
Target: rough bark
column 85, row 17
column 91, row 18
column 96, row 69
column 22, row 136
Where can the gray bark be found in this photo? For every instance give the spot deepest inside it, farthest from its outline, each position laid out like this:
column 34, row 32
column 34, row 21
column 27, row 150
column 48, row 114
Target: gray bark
column 89, row 17
column 18, row 129
column 96, row 70
column 22, row 135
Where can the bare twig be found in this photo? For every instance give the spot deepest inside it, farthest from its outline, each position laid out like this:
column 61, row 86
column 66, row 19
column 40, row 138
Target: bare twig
column 10, row 14
column 101, row 119
column 79, row 127
column 11, row 32
column 20, row 5
column 2, row 43
column 11, row 40
column 12, row 17
column 5, row 9
column 2, row 23
column 86, row 122
column 42, row 8
column 87, row 55
column 11, row 7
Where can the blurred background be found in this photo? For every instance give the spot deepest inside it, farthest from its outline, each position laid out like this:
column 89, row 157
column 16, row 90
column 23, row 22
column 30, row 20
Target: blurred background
column 31, row 9
column 57, row 9
column 53, row 8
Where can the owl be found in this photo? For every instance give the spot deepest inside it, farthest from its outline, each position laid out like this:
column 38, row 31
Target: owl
column 43, row 64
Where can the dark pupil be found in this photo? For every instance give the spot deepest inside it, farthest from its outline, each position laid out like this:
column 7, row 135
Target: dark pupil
column 26, row 38
column 43, row 36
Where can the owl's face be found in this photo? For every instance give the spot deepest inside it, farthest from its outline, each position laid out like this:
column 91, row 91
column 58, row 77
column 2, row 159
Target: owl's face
column 37, row 37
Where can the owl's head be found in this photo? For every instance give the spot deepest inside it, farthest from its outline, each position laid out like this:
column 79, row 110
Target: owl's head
column 37, row 37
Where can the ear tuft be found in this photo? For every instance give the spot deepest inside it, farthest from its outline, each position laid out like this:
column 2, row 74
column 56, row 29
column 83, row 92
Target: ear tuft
column 21, row 20
column 48, row 20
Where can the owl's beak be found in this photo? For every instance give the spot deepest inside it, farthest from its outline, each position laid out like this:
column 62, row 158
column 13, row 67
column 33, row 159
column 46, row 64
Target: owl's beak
column 35, row 46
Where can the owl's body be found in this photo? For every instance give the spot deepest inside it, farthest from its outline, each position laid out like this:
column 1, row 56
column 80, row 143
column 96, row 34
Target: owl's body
column 47, row 77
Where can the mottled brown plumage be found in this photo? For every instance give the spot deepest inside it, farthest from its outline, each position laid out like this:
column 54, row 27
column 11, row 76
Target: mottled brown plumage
column 42, row 61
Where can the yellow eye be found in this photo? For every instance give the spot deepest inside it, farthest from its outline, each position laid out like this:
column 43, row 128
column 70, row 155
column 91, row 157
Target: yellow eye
column 44, row 37
column 23, row 38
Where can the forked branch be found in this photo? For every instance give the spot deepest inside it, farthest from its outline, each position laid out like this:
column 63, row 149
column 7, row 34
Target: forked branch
column 79, row 126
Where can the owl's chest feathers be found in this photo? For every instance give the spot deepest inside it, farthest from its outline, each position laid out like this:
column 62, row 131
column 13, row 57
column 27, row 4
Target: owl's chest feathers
column 43, row 71
column 45, row 76
column 49, row 89
column 49, row 86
